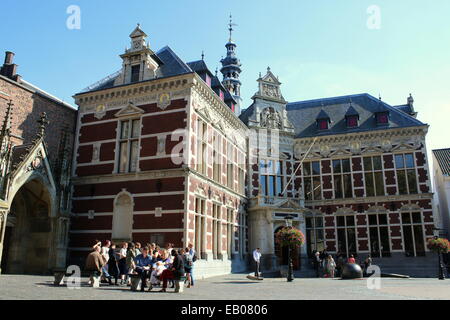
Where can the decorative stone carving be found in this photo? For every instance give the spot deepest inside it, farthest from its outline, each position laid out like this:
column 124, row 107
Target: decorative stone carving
column 100, row 111
column 270, row 119
column 325, row 150
column 270, row 91
column 386, row 144
column 161, row 145
column 163, row 100
column 96, row 153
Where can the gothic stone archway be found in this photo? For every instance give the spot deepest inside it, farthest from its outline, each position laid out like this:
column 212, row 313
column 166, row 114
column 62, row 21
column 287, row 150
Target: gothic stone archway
column 28, row 233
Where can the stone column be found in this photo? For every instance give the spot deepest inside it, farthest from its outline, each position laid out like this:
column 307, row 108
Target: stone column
column 3, row 217
column 262, row 237
column 303, row 249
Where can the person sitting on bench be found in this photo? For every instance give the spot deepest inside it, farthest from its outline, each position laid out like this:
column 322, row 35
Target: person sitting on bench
column 175, row 272
column 156, row 273
column 95, row 262
column 144, row 264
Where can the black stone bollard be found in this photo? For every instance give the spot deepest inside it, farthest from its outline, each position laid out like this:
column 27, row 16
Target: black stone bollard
column 352, row 271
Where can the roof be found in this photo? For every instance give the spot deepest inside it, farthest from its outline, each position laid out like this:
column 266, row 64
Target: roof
column 405, row 108
column 303, row 115
column 351, row 112
column 443, row 159
column 198, row 66
column 322, row 115
column 171, row 65
column 38, row 91
column 246, row 114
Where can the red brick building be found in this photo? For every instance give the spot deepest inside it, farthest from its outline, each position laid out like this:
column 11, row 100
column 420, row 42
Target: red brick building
column 160, row 157
column 352, row 170
column 35, row 161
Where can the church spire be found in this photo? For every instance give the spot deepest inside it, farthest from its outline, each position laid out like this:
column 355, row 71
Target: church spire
column 231, row 69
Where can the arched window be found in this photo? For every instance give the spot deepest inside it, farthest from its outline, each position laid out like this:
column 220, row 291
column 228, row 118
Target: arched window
column 123, row 217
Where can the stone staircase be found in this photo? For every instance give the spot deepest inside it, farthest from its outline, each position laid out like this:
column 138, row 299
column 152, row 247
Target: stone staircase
column 417, row 267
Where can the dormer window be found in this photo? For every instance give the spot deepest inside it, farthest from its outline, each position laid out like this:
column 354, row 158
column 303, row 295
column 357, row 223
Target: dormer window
column 323, row 124
column 352, row 121
column 351, row 117
column 208, row 80
column 323, row 121
column 382, row 118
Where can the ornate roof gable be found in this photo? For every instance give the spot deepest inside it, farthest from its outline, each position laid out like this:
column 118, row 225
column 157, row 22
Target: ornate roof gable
column 129, row 111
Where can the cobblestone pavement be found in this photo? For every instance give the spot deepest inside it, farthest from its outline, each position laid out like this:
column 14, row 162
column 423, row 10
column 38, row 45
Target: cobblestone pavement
column 234, row 286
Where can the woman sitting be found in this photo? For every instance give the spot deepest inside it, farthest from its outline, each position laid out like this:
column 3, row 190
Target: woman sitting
column 156, row 273
column 175, row 272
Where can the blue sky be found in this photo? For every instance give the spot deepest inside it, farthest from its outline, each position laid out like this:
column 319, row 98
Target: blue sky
column 317, row 48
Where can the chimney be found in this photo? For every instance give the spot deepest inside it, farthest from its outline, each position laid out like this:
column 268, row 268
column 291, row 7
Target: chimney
column 9, row 69
column 9, row 57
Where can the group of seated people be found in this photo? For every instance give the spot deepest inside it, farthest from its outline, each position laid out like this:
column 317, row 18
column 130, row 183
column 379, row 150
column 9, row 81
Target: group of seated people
column 149, row 263
column 159, row 268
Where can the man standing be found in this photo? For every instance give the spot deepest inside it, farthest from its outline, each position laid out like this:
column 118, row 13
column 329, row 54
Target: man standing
column 194, row 256
column 317, row 263
column 105, row 254
column 257, row 258
column 144, row 264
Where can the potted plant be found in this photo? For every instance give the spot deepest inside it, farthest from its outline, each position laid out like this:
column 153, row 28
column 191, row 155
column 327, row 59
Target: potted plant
column 440, row 246
column 291, row 238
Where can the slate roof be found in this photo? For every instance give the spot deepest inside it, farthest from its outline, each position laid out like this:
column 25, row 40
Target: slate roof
column 443, row 159
column 351, row 112
column 199, row 66
column 171, row 65
column 246, row 114
column 303, row 115
column 322, row 115
column 405, row 108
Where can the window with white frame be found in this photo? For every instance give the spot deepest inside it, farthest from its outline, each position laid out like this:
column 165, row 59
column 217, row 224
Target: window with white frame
column 129, row 145
column 346, row 235
column 379, row 235
column 413, row 238
column 271, row 177
column 230, row 233
column 342, row 179
column 311, row 180
column 315, row 237
column 406, row 173
column 216, row 230
column 199, row 232
column 201, row 157
column 230, row 165
column 373, row 176
column 217, row 168
column 241, row 173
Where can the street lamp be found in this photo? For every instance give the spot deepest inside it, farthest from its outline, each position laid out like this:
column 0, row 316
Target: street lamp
column 290, row 277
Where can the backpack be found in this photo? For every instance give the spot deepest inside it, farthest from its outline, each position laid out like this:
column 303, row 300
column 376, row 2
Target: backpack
column 194, row 257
